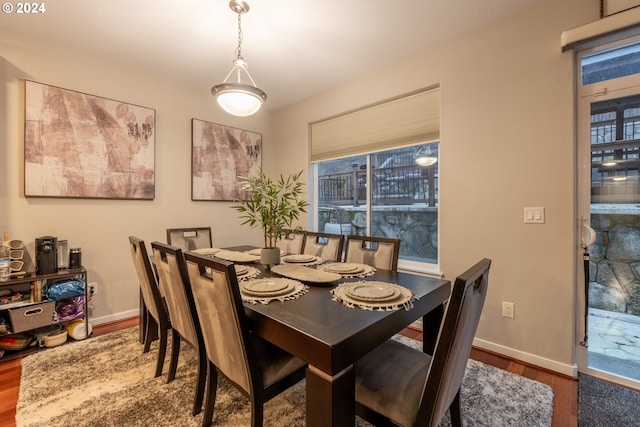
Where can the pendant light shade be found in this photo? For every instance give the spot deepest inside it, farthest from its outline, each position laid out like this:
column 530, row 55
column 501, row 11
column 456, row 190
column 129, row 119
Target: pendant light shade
column 239, row 98
column 425, row 157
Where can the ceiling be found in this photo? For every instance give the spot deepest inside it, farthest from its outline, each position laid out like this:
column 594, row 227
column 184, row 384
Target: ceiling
column 295, row 49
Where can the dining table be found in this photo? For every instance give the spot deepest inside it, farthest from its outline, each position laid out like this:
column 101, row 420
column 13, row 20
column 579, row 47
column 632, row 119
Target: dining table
column 331, row 336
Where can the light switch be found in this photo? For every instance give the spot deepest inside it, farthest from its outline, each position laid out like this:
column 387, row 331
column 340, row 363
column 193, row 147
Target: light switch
column 534, row 215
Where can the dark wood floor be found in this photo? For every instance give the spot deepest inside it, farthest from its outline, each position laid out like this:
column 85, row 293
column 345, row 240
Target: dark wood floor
column 565, row 389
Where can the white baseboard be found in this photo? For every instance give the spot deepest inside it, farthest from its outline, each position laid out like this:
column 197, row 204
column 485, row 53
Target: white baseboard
column 113, row 317
column 542, row 362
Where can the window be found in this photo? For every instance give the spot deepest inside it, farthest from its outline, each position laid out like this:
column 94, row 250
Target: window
column 384, row 194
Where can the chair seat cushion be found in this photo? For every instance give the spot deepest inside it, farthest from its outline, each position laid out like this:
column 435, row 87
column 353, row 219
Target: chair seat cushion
column 390, row 380
column 275, row 363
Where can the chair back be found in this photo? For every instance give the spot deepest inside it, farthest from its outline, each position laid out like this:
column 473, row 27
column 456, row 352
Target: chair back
column 292, row 242
column 379, row 252
column 191, row 238
column 176, row 288
column 454, row 342
column 221, row 313
column 325, row 245
column 146, row 278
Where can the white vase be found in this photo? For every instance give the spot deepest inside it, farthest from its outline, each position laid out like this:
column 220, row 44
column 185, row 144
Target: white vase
column 270, row 256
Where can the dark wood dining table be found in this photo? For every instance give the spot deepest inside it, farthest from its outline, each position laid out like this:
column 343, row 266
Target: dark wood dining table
column 331, row 337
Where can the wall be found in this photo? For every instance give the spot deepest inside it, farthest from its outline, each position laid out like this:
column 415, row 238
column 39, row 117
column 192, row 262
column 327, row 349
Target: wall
column 507, row 141
column 101, row 227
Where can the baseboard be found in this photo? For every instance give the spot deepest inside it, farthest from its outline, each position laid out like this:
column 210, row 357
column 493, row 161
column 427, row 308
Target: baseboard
column 531, row 359
column 114, row 317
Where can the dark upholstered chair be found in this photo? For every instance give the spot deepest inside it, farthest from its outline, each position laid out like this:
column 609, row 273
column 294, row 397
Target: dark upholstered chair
column 410, row 388
column 257, row 368
column 378, row 252
column 189, row 239
column 157, row 321
column 176, row 288
column 292, row 242
column 326, row 245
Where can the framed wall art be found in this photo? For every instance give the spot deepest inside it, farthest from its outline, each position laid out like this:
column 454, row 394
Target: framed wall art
column 86, row 146
column 220, row 154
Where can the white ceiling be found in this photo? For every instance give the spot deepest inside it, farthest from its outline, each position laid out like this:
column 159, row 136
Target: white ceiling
column 295, row 49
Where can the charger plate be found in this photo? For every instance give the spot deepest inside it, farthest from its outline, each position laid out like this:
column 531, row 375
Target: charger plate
column 237, row 256
column 264, row 291
column 305, row 274
column 347, row 269
column 246, row 272
column 207, row 251
column 373, row 295
column 258, row 252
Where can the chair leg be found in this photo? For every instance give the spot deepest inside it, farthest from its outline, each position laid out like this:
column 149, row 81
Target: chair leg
column 257, row 412
column 212, row 387
column 175, row 354
column 150, row 333
column 456, row 411
column 162, row 351
column 201, row 379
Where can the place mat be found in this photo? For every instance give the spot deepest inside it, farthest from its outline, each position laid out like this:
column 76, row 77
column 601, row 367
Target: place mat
column 264, row 291
column 373, row 295
column 207, row 251
column 301, row 259
column 348, row 270
column 237, row 256
column 246, row 272
column 305, row 274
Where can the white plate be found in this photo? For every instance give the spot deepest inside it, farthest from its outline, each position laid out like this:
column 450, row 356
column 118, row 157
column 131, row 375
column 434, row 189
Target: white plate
column 267, row 287
column 299, row 258
column 343, row 268
column 305, row 274
column 236, row 256
column 241, row 269
column 258, row 252
column 371, row 291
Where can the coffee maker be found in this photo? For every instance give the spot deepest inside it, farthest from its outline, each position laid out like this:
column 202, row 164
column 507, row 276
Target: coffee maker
column 46, row 255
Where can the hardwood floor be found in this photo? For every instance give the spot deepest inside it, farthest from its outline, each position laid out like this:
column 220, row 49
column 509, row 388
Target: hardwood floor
column 565, row 389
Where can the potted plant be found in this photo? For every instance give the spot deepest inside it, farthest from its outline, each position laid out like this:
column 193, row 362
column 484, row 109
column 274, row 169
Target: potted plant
column 272, row 206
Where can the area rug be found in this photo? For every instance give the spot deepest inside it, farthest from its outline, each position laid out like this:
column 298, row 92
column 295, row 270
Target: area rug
column 603, row 404
column 107, row 381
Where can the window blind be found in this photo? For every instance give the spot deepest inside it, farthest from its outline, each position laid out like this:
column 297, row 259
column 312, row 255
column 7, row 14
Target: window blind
column 406, row 120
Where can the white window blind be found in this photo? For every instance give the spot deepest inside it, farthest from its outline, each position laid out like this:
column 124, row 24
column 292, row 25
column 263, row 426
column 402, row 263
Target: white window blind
column 402, row 121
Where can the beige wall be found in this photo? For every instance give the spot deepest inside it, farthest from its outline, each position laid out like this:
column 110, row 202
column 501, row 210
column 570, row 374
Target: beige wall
column 507, row 141
column 101, row 227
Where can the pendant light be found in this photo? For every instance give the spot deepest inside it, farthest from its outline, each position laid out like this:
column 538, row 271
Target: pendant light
column 238, row 98
column 424, row 156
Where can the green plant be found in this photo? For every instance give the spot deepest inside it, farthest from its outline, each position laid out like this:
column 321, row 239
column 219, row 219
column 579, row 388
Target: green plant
column 272, row 205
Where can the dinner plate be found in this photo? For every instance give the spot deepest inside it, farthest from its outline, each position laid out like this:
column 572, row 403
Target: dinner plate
column 236, row 256
column 371, row 291
column 267, row 288
column 343, row 268
column 299, row 258
column 241, row 270
column 305, row 274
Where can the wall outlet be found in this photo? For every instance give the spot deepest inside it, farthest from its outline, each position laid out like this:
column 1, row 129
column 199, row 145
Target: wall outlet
column 93, row 289
column 508, row 310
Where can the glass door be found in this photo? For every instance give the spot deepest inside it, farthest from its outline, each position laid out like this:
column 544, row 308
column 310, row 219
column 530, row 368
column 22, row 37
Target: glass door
column 609, row 215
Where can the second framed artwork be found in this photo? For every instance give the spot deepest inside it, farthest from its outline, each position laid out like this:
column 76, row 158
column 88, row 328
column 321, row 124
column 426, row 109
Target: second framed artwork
column 219, row 155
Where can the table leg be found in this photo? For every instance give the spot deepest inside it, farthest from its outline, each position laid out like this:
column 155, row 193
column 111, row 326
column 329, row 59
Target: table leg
column 430, row 328
column 330, row 399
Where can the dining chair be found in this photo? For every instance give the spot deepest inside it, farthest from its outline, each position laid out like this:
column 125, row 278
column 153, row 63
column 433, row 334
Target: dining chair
column 157, row 320
column 292, row 242
column 396, row 383
column 190, row 238
column 326, row 245
column 174, row 282
column 378, row 252
column 257, row 368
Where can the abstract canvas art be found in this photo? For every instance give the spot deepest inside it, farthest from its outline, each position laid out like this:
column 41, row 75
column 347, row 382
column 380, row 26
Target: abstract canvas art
column 220, row 154
column 85, row 146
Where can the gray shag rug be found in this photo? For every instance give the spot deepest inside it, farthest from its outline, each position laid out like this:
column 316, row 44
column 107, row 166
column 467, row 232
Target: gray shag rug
column 604, row 404
column 107, row 381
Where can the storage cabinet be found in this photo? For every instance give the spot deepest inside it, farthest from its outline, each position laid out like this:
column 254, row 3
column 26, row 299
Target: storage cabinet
column 26, row 308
